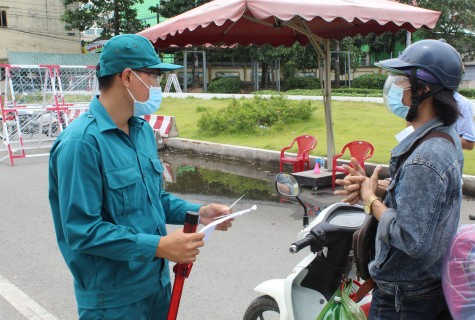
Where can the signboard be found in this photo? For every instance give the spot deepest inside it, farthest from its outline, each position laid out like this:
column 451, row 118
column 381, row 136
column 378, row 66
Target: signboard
column 96, row 46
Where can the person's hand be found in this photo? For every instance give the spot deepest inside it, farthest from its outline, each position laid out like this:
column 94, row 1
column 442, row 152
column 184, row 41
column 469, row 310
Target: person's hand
column 180, row 247
column 355, row 169
column 351, row 191
column 351, row 183
column 213, row 210
column 369, row 186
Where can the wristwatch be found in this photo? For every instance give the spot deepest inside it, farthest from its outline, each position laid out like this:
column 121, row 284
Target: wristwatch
column 368, row 203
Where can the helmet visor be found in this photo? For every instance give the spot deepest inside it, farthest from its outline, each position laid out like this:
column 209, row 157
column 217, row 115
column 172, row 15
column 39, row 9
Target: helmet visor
column 397, row 80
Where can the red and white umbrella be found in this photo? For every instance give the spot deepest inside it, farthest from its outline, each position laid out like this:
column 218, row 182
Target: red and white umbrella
column 284, row 22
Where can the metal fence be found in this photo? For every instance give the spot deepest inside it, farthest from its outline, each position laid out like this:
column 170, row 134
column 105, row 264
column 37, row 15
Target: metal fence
column 39, row 101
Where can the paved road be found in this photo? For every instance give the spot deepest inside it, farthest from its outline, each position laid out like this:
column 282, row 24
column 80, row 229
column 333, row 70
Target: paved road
column 221, row 283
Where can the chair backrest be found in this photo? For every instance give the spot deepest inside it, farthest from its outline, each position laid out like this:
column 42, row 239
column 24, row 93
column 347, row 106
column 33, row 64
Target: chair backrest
column 361, row 150
column 305, row 143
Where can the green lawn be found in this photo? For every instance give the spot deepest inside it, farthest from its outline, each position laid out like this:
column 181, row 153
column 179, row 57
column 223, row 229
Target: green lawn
column 351, row 121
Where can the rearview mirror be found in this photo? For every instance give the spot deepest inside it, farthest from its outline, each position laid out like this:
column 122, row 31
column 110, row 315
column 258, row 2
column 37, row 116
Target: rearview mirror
column 287, row 185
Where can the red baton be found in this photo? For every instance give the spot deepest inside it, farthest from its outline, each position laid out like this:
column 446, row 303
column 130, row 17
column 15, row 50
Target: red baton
column 181, row 270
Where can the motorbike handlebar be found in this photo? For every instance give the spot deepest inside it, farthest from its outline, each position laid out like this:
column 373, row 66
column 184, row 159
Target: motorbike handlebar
column 316, row 239
column 305, row 242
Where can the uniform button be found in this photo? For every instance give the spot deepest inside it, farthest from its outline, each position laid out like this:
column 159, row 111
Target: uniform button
column 101, row 304
column 100, row 297
column 142, row 258
column 90, row 116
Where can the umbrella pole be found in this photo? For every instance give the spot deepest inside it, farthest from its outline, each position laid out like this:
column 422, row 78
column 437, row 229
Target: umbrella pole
column 327, row 100
column 326, row 91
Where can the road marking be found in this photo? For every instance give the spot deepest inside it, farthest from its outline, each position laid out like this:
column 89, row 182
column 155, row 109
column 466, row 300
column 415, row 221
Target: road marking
column 23, row 303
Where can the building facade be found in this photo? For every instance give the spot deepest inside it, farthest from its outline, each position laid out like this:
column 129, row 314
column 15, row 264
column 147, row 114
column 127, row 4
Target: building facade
column 35, row 26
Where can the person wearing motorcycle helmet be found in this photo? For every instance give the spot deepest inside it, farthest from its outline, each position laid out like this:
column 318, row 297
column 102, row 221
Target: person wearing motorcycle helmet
column 421, row 207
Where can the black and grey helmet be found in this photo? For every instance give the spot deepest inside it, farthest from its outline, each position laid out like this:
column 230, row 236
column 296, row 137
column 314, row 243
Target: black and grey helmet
column 436, row 57
column 433, row 61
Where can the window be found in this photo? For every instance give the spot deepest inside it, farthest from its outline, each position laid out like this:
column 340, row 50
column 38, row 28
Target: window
column 3, row 19
column 227, row 74
column 307, row 74
column 189, row 75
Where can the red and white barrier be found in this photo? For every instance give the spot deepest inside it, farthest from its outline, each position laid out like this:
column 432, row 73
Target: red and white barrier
column 74, row 113
column 165, row 125
column 40, row 101
column 167, row 172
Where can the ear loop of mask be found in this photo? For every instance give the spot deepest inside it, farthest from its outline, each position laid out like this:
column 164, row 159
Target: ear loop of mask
column 416, row 99
column 141, row 81
column 148, row 87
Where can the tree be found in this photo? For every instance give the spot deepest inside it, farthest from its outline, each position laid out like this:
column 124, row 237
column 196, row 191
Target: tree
column 385, row 42
column 171, row 8
column 113, row 16
column 456, row 24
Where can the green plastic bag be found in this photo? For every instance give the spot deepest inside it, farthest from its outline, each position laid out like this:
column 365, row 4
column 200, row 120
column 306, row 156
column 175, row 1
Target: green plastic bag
column 341, row 306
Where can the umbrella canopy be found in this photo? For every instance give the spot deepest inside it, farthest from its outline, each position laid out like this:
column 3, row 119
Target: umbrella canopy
column 284, row 22
column 234, row 21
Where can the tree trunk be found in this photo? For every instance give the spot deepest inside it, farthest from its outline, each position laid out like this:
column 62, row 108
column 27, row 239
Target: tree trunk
column 116, row 18
column 195, row 81
column 265, row 77
column 337, row 64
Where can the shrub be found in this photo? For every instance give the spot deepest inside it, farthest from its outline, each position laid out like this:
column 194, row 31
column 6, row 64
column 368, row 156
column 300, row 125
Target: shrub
column 358, row 92
column 225, row 85
column 369, row 81
column 302, row 83
column 468, row 93
column 247, row 116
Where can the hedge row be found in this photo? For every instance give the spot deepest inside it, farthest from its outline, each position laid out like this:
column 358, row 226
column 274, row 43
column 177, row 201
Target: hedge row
column 368, row 85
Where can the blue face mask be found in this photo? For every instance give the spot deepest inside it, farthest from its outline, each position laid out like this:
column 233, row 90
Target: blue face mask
column 151, row 105
column 394, row 101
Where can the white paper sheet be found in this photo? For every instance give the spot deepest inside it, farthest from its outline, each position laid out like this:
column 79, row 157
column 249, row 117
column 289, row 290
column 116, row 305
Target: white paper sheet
column 208, row 230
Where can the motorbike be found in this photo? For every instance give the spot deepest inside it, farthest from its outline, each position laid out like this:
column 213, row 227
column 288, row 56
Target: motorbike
column 313, row 281
column 30, row 122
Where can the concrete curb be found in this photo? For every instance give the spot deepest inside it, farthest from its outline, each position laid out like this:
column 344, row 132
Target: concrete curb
column 272, row 157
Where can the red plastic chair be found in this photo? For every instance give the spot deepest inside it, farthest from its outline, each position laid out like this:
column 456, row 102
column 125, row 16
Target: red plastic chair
column 361, row 150
column 305, row 143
